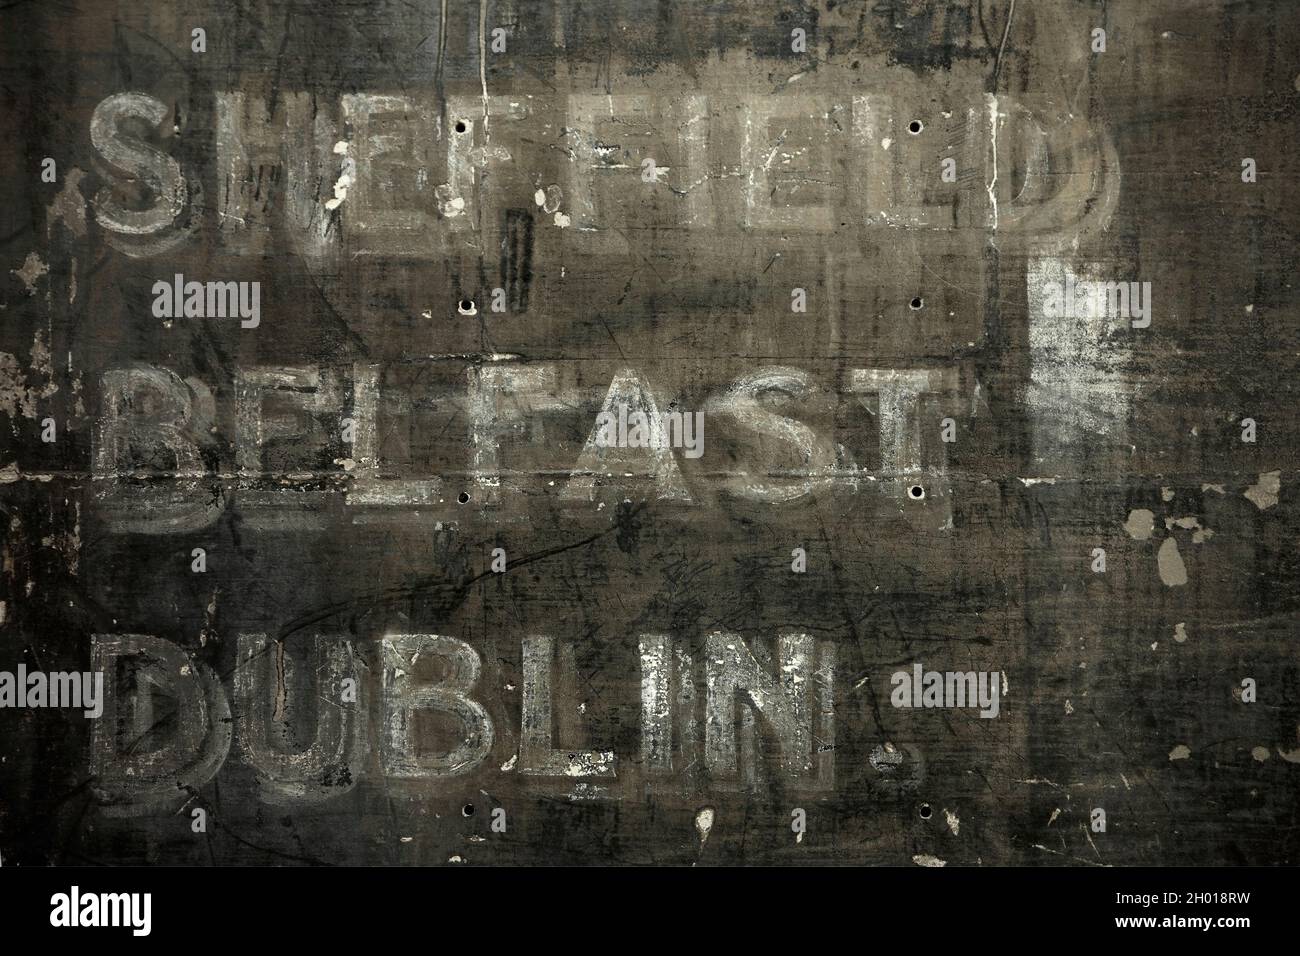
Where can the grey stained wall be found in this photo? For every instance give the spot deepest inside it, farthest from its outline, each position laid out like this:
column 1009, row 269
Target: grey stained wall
column 472, row 227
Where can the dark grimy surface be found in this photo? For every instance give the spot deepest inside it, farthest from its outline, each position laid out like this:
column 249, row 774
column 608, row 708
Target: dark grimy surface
column 835, row 229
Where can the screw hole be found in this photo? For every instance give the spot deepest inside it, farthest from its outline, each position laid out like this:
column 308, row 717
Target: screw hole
column 915, row 127
column 460, row 126
column 464, row 497
column 917, row 492
column 916, row 302
column 467, row 810
column 467, row 306
column 926, row 811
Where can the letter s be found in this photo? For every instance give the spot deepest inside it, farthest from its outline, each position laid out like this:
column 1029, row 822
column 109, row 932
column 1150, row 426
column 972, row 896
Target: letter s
column 135, row 160
column 748, row 402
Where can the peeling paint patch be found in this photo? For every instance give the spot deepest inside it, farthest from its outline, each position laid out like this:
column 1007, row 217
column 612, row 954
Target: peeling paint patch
column 32, row 269
column 1190, row 523
column 1263, row 493
column 1140, row 524
column 1173, row 572
column 69, row 207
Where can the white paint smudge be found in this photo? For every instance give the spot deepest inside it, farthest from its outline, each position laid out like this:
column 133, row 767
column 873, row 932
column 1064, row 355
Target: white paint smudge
column 993, row 137
column 704, row 824
column 551, row 198
column 347, row 177
column 449, row 204
column 1078, row 378
column 1181, row 752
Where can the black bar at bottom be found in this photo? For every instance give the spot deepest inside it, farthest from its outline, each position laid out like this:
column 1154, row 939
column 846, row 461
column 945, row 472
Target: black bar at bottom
column 601, row 906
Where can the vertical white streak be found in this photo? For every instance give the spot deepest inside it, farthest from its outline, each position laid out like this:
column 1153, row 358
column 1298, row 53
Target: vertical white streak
column 482, row 65
column 993, row 136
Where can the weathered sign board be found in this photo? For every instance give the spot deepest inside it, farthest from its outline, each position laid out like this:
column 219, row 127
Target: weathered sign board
column 649, row 432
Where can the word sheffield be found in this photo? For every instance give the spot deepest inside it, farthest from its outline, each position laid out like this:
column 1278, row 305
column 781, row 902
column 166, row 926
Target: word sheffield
column 373, row 173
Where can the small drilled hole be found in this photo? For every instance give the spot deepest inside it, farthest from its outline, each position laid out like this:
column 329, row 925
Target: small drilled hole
column 460, row 126
column 464, row 497
column 926, row 811
column 467, row 305
column 917, row 492
column 915, row 127
column 467, row 810
column 916, row 302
